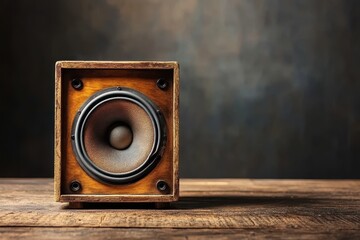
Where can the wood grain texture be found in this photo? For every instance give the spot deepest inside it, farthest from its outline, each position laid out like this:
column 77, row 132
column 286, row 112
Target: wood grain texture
column 117, row 64
column 97, row 75
column 164, row 233
column 207, row 208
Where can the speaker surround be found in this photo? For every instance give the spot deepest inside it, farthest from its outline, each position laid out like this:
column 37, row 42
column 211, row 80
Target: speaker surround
column 116, row 131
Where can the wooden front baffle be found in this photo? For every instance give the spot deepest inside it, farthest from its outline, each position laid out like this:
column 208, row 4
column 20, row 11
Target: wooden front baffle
column 76, row 83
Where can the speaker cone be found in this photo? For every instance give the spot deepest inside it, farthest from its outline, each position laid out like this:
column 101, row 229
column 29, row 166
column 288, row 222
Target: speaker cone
column 118, row 135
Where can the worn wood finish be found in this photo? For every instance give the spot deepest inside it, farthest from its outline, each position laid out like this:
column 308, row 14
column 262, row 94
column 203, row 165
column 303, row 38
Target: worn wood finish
column 207, row 208
column 140, row 76
column 165, row 233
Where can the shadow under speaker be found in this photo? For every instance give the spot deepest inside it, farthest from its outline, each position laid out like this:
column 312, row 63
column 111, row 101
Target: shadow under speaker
column 116, row 131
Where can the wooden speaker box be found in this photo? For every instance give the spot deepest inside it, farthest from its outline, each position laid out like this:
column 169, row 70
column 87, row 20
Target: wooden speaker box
column 116, row 131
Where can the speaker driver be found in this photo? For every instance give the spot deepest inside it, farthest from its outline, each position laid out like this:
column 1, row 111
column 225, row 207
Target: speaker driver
column 118, row 135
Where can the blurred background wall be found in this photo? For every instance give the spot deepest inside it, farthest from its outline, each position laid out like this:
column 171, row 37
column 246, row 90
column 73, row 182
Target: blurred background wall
column 269, row 89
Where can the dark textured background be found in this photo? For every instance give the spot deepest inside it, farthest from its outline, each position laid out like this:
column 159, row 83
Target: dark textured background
column 269, row 88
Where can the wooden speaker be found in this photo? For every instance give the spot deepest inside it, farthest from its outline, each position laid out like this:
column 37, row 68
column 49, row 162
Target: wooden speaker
column 116, row 131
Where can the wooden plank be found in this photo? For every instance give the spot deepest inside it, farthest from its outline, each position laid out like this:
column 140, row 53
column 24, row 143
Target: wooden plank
column 164, row 233
column 118, row 64
column 271, row 187
column 208, row 204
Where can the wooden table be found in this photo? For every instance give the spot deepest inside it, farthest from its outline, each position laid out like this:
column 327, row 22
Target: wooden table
column 208, row 208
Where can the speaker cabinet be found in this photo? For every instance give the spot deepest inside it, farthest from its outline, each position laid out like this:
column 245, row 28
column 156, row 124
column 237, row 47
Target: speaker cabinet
column 116, row 131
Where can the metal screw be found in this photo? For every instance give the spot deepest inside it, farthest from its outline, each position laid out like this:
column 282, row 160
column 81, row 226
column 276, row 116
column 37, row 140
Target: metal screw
column 75, row 186
column 77, row 84
column 162, row 186
column 162, row 83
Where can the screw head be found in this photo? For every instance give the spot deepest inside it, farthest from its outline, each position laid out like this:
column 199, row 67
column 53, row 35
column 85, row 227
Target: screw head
column 75, row 186
column 162, row 83
column 162, row 186
column 77, row 84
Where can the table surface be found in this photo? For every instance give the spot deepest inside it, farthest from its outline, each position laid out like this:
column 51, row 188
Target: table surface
column 208, row 208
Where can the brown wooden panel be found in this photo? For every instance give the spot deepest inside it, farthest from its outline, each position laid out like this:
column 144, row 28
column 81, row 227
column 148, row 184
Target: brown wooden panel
column 65, row 233
column 140, row 76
